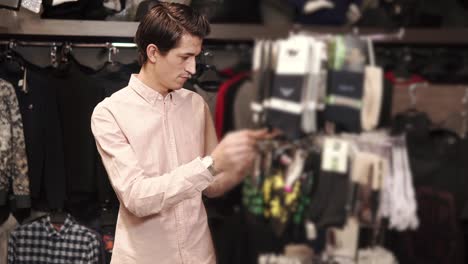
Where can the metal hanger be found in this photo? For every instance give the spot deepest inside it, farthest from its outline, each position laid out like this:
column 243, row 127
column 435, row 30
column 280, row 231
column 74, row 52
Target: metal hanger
column 65, row 52
column 412, row 93
column 53, row 55
column 458, row 122
column 111, row 65
column 111, row 51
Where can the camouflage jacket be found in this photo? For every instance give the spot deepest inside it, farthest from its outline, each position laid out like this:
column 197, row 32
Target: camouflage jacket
column 14, row 181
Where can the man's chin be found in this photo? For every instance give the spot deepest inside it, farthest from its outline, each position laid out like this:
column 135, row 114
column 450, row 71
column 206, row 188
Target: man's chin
column 179, row 85
column 175, row 89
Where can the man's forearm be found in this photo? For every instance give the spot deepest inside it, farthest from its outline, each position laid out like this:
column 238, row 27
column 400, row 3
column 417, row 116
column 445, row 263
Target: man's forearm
column 223, row 182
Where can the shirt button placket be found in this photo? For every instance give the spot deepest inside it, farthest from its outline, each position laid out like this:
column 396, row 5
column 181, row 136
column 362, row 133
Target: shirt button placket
column 173, row 152
column 174, row 162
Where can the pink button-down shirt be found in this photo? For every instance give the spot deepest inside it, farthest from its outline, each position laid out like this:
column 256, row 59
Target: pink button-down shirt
column 152, row 148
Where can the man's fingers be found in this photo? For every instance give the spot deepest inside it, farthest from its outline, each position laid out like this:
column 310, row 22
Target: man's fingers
column 258, row 134
column 264, row 133
column 275, row 133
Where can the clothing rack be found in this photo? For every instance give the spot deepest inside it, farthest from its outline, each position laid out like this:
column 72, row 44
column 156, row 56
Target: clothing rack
column 66, row 47
column 14, row 43
column 398, row 35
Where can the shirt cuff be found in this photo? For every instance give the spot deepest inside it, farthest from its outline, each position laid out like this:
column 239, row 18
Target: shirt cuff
column 206, row 162
column 203, row 178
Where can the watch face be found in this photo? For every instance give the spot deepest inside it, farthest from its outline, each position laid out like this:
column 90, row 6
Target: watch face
column 207, row 161
column 210, row 159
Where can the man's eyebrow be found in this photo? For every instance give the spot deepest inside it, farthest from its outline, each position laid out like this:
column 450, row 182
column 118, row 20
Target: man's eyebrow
column 189, row 54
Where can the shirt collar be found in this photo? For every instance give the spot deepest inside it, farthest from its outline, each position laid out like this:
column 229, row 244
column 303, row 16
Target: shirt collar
column 150, row 95
column 51, row 231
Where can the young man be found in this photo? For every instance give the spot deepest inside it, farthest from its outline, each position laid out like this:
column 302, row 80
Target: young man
column 158, row 144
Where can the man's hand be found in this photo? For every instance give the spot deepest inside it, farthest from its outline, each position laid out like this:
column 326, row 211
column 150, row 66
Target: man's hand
column 236, row 151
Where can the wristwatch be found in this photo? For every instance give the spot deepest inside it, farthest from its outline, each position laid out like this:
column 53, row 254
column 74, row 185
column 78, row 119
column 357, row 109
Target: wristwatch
column 208, row 161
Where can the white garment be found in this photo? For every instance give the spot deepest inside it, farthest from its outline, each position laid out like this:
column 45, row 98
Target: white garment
column 377, row 255
column 403, row 207
column 59, row 2
column 314, row 5
column 372, row 98
column 32, row 5
column 112, row 5
column 397, row 199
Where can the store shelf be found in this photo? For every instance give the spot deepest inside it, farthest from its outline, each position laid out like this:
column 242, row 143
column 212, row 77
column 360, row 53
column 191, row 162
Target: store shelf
column 25, row 25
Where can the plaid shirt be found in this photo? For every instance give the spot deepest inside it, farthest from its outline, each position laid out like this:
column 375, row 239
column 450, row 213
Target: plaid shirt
column 39, row 242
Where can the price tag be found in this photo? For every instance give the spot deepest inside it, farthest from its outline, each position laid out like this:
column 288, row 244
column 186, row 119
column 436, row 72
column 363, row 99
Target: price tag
column 311, row 232
column 335, row 155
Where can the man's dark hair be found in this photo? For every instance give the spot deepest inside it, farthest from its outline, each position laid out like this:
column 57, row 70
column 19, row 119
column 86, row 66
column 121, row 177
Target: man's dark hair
column 164, row 25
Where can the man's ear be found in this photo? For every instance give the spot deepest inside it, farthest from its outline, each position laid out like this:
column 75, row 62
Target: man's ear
column 152, row 52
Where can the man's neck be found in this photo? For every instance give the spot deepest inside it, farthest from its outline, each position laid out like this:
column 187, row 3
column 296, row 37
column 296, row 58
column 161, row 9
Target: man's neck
column 148, row 79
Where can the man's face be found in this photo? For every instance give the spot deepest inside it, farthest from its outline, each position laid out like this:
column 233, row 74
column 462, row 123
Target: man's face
column 176, row 67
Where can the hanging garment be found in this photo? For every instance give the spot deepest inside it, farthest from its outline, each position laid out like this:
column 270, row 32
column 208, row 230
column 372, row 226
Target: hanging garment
column 279, row 204
column 80, row 9
column 323, row 211
column 438, row 225
column 221, row 102
column 397, row 199
column 464, row 158
column 385, row 118
column 276, row 12
column 376, row 255
column 40, row 242
column 13, row 163
column 229, row 111
column 273, row 216
column 372, row 97
column 367, row 173
column 44, row 144
column 5, row 230
column 291, row 79
column 344, row 100
column 229, row 11
column 375, row 144
column 331, row 12
column 436, row 158
column 261, row 73
column 85, row 179
column 242, row 112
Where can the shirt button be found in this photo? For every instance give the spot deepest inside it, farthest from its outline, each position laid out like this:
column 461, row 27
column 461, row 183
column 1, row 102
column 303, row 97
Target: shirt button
column 31, row 106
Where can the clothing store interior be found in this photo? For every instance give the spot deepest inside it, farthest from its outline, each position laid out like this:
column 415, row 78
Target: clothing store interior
column 370, row 96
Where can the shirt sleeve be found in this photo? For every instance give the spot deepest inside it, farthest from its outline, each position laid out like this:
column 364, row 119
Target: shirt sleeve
column 14, row 166
column 93, row 254
column 19, row 163
column 140, row 193
column 11, row 258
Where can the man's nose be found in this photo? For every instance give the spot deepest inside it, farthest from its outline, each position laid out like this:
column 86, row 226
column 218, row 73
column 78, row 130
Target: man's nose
column 190, row 67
